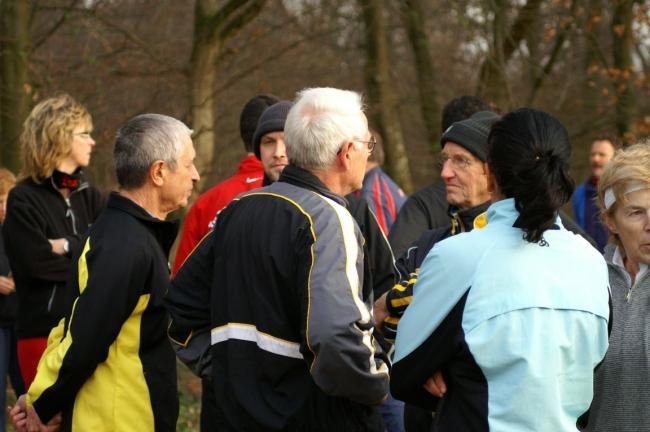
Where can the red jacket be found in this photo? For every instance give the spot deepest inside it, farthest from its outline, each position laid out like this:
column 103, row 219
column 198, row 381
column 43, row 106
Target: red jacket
column 200, row 218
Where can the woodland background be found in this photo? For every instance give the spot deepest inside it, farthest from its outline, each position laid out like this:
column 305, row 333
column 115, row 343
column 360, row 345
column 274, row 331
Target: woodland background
column 585, row 61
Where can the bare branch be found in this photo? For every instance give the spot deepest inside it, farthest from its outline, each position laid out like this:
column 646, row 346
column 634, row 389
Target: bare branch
column 46, row 35
column 565, row 30
column 246, row 16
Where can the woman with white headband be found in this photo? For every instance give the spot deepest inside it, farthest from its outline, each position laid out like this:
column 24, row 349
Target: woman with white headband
column 622, row 382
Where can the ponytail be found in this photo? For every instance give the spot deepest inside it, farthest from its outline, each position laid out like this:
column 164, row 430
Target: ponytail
column 528, row 153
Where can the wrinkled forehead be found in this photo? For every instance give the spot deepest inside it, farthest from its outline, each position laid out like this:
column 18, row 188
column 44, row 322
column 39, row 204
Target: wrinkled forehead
column 452, row 148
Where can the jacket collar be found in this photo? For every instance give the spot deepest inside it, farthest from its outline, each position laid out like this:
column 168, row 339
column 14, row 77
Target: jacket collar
column 48, row 183
column 306, row 180
column 250, row 164
column 469, row 218
column 504, row 212
column 164, row 231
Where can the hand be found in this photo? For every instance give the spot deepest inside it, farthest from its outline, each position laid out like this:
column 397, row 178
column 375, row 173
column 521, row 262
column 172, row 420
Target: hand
column 57, row 245
column 25, row 419
column 380, row 312
column 436, row 385
column 7, row 285
column 18, row 415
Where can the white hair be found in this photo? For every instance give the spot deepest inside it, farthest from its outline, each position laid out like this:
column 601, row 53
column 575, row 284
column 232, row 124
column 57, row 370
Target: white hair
column 319, row 123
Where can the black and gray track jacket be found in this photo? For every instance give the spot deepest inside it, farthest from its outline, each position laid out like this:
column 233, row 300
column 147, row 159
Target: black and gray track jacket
column 280, row 278
column 37, row 212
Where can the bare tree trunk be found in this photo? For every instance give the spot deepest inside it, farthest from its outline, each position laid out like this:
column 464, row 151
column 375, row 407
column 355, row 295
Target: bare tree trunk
column 214, row 23
column 565, row 27
column 594, row 61
column 414, row 16
column 493, row 86
column 15, row 48
column 493, row 81
column 383, row 110
column 623, row 69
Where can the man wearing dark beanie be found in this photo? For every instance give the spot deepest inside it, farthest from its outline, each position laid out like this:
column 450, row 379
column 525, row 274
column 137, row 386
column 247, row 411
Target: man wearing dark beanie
column 268, row 141
column 464, row 146
column 464, row 171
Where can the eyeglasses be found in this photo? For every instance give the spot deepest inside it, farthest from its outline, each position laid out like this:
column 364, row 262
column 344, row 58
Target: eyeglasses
column 84, row 134
column 457, row 162
column 370, row 144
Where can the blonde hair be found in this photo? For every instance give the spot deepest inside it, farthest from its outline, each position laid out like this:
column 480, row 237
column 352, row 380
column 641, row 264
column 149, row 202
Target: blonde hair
column 48, row 134
column 629, row 166
column 7, row 181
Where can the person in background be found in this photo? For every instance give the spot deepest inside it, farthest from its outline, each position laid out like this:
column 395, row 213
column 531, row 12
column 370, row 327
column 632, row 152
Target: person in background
column 109, row 365
column 8, row 308
column 268, row 141
column 585, row 208
column 508, row 323
column 383, row 195
column 621, row 382
column 48, row 212
column 249, row 176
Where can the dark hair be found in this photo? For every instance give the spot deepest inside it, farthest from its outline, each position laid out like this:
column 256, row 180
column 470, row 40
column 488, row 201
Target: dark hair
column 462, row 108
column 528, row 153
column 607, row 136
column 251, row 114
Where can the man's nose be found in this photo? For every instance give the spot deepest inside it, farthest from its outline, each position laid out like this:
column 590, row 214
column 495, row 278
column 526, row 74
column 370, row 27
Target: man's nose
column 447, row 171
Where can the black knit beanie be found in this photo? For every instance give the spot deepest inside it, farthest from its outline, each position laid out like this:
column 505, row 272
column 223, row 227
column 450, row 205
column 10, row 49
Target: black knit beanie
column 272, row 120
column 472, row 133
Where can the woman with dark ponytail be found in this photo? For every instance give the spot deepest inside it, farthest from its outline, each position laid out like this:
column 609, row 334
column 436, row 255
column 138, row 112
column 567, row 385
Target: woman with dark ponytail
column 508, row 322
column 529, row 155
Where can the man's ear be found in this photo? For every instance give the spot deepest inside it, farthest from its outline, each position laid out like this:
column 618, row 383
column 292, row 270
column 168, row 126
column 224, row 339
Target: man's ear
column 157, row 172
column 343, row 157
column 491, row 181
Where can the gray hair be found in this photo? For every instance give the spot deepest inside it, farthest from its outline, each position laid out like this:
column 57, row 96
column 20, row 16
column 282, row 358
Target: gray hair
column 143, row 140
column 318, row 124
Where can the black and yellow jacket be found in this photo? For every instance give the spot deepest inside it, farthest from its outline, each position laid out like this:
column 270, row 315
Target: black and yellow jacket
column 109, row 365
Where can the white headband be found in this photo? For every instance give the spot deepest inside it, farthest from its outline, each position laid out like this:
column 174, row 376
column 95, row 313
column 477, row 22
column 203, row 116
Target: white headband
column 609, row 198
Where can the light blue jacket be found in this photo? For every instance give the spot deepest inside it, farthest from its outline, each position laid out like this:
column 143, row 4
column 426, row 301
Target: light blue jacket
column 533, row 318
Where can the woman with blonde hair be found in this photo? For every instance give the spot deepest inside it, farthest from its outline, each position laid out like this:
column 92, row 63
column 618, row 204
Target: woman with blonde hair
column 622, row 381
column 48, row 212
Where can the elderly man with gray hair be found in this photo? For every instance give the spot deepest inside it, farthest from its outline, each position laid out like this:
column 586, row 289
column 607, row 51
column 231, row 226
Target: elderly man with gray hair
column 109, row 365
column 278, row 282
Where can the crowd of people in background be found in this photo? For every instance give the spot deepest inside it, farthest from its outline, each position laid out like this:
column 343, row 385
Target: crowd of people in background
column 309, row 293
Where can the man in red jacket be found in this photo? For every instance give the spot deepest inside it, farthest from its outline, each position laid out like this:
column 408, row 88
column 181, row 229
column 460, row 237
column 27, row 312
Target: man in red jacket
column 249, row 176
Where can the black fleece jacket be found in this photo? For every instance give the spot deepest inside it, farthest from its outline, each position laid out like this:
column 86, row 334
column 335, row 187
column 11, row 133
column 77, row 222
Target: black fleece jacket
column 37, row 212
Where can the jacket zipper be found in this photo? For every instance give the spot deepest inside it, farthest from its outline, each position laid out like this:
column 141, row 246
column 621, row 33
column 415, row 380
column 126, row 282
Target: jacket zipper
column 70, row 214
column 636, row 282
column 51, row 300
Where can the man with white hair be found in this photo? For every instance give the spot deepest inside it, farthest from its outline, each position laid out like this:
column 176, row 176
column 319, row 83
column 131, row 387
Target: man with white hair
column 109, row 365
column 278, row 282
